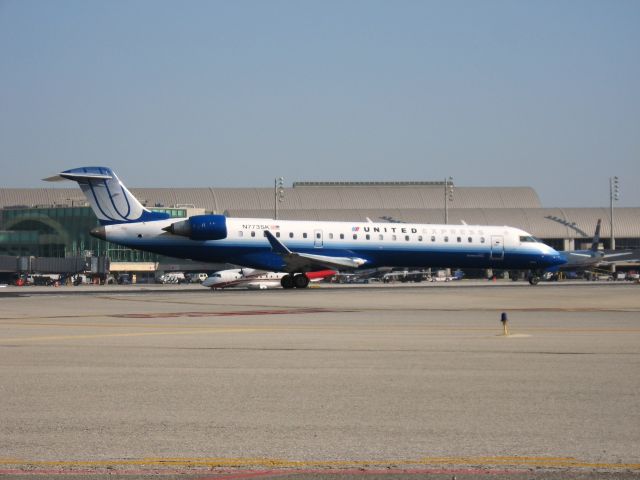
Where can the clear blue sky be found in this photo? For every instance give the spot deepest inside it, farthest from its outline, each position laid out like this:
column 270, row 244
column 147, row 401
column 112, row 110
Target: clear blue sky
column 210, row 93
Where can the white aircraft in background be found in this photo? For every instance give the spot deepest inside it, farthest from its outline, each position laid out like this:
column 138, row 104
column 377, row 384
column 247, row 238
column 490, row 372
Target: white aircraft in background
column 299, row 247
column 255, row 279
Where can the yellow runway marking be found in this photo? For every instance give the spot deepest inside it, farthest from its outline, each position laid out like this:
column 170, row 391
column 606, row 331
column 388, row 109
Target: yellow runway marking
column 502, row 461
column 119, row 325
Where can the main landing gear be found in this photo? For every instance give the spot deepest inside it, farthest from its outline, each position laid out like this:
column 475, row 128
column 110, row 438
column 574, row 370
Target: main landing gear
column 298, row 281
column 534, row 278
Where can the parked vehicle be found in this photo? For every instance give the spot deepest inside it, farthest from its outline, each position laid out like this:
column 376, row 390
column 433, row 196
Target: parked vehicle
column 198, row 277
column 172, row 277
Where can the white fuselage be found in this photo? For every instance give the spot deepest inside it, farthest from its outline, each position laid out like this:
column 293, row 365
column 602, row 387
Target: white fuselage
column 376, row 244
column 244, row 277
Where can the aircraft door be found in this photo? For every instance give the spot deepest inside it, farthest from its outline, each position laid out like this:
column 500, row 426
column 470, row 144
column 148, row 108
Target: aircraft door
column 497, row 247
column 317, row 238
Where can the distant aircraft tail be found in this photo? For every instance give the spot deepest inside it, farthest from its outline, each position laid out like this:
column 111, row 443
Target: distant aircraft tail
column 596, row 237
column 109, row 198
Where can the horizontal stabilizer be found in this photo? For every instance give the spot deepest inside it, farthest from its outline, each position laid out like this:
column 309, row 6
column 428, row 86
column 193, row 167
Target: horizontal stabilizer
column 77, row 177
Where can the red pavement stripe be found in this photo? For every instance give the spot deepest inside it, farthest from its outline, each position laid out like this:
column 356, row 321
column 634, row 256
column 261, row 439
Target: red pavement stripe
column 430, row 471
column 240, row 475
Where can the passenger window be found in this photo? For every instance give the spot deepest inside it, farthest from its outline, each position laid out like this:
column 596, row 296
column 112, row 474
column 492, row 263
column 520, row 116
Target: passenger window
column 253, row 234
column 446, row 239
column 481, row 239
column 318, row 235
column 368, row 237
column 342, row 236
column 355, row 236
column 290, row 234
column 278, row 234
column 459, row 239
column 331, row 236
column 380, row 237
column 406, row 237
column 419, row 238
column 433, row 238
column 304, row 235
column 240, row 233
column 394, row 238
column 470, row 239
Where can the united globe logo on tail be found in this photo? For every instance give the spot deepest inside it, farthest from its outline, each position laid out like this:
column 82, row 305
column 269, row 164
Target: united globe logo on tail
column 109, row 198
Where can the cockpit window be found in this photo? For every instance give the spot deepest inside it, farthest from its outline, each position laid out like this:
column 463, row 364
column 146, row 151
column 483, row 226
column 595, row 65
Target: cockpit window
column 529, row 239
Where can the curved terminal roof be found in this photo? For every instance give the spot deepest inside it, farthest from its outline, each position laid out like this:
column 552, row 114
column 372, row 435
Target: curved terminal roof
column 418, row 202
column 332, row 197
column 541, row 222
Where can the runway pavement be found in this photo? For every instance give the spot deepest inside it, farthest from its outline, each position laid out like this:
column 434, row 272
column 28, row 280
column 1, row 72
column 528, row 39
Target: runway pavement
column 384, row 381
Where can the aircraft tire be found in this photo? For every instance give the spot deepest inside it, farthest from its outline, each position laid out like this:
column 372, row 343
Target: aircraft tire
column 287, row 282
column 301, row 281
column 534, row 279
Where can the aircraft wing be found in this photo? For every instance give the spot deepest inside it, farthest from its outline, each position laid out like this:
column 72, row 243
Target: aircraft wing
column 620, row 256
column 303, row 262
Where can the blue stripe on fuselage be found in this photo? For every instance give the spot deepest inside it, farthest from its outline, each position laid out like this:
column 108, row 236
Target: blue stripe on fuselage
column 262, row 257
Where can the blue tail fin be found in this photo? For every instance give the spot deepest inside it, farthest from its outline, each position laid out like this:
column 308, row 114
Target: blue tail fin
column 596, row 237
column 109, row 198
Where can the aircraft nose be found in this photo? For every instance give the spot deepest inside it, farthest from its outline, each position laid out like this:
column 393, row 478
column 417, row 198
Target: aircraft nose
column 99, row 232
column 557, row 259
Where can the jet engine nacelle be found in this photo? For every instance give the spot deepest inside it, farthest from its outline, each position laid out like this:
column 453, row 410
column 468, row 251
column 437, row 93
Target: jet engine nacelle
column 200, row 227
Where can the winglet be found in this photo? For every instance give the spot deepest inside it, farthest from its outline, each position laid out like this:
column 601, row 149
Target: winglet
column 276, row 245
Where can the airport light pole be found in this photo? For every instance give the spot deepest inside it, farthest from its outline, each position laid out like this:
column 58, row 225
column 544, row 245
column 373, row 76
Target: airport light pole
column 278, row 195
column 448, row 197
column 614, row 195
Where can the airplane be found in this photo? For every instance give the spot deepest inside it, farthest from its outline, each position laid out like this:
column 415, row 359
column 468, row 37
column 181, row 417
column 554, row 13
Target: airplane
column 296, row 247
column 255, row 279
column 589, row 259
column 582, row 260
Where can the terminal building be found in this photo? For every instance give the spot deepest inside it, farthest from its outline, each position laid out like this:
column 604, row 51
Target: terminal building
column 54, row 222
